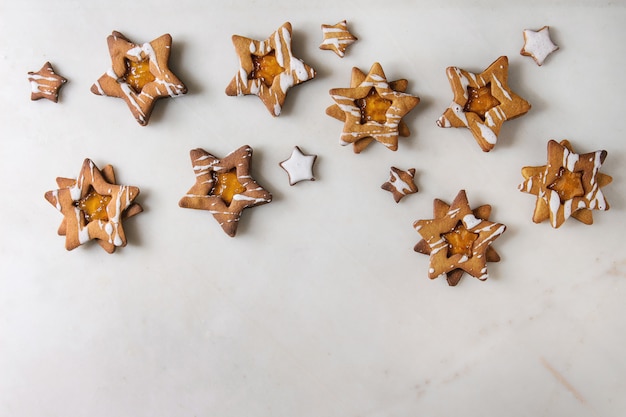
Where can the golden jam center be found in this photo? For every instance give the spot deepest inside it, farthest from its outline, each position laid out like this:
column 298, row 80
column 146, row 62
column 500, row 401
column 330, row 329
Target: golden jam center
column 460, row 240
column 568, row 184
column 265, row 68
column 227, row 186
column 138, row 74
column 94, row 206
column 373, row 107
column 480, row 101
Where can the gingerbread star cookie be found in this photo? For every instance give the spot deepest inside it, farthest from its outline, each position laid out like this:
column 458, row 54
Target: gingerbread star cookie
column 224, row 187
column 568, row 186
column 139, row 74
column 94, row 206
column 482, row 102
column 458, row 239
column 299, row 166
column 45, row 83
column 401, row 183
column 538, row 45
column 268, row 69
column 337, row 38
column 372, row 109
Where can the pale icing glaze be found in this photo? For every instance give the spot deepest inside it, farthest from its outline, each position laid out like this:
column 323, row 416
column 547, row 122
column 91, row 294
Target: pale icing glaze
column 485, row 132
column 295, row 70
column 299, row 166
column 538, row 44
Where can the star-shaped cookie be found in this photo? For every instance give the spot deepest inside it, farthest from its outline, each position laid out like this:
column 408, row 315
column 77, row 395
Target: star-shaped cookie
column 224, row 187
column 45, row 83
column 268, row 69
column 401, row 183
column 93, row 207
column 139, row 74
column 458, row 239
column 337, row 38
column 569, row 185
column 482, row 102
column 299, row 166
column 372, row 109
column 538, row 45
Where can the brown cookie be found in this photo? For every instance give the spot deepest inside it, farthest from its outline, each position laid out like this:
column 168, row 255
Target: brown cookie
column 458, row 239
column 482, row 102
column 372, row 109
column 224, row 187
column 337, row 38
column 568, row 185
column 93, row 207
column 401, row 183
column 139, row 74
column 45, row 83
column 268, row 69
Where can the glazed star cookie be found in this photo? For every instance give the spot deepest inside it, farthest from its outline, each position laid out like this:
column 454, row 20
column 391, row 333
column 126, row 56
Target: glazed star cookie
column 93, row 207
column 401, row 183
column 482, row 102
column 139, row 74
column 372, row 109
column 337, row 38
column 45, row 83
column 458, row 239
column 224, row 187
column 538, row 45
column 268, row 69
column 569, row 185
column 299, row 166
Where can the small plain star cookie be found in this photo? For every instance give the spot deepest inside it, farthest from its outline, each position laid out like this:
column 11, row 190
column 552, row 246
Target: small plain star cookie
column 458, row 239
column 224, row 187
column 93, row 207
column 482, row 102
column 569, row 185
column 538, row 45
column 268, row 69
column 45, row 83
column 337, row 38
column 299, row 166
column 401, row 183
column 139, row 74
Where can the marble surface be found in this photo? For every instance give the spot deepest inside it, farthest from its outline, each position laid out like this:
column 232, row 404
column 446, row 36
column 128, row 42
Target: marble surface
column 319, row 306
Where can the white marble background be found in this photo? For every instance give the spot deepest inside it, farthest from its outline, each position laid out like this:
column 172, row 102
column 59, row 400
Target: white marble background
column 319, row 306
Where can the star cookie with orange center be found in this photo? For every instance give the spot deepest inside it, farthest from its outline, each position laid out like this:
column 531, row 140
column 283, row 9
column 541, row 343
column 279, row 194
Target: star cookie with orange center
column 568, row 186
column 482, row 102
column 337, row 38
column 538, row 45
column 401, row 183
column 45, row 83
column 372, row 109
column 268, row 69
column 224, row 187
column 458, row 239
column 139, row 74
column 94, row 206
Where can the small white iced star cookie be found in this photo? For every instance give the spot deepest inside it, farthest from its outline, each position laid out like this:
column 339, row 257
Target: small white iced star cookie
column 537, row 44
column 299, row 166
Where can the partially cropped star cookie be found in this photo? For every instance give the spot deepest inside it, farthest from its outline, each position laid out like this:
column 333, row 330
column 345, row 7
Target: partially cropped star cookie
column 568, row 186
column 372, row 109
column 94, row 206
column 482, row 102
column 299, row 166
column 537, row 44
column 458, row 239
column 224, row 187
column 337, row 38
column 401, row 183
column 45, row 83
column 268, row 69
column 139, row 74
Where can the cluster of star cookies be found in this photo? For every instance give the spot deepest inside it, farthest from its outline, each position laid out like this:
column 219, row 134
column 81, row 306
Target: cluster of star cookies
column 458, row 239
